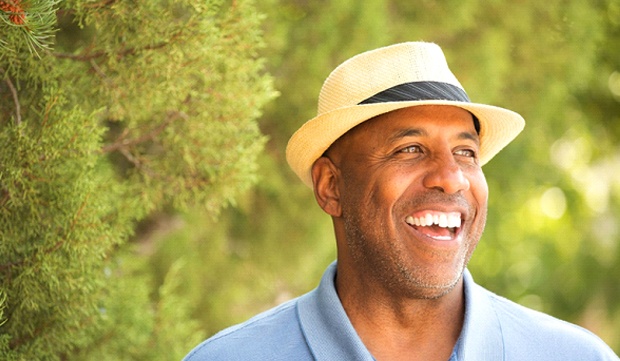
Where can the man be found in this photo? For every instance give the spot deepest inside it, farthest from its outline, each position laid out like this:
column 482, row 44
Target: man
column 394, row 157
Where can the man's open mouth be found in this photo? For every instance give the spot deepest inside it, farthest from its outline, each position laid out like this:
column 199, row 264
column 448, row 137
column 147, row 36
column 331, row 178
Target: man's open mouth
column 441, row 226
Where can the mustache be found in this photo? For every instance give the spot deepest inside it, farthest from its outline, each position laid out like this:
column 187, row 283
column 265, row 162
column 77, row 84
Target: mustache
column 439, row 197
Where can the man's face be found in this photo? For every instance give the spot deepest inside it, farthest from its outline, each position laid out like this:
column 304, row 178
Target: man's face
column 413, row 198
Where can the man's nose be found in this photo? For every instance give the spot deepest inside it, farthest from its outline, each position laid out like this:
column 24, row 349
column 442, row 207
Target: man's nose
column 446, row 175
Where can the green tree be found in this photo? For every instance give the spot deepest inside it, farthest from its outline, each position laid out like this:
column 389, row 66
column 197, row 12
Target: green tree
column 111, row 112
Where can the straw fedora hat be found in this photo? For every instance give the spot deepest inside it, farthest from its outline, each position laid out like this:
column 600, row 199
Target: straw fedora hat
column 382, row 80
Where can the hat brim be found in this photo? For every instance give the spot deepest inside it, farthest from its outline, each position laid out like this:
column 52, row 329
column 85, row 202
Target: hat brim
column 498, row 127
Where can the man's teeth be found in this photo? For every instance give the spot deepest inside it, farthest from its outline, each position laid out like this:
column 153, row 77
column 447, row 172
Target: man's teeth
column 444, row 220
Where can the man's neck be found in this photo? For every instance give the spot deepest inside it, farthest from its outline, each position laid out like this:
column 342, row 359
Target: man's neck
column 405, row 328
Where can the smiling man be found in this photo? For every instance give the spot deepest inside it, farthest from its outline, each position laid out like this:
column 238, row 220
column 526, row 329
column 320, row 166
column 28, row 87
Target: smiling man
column 394, row 156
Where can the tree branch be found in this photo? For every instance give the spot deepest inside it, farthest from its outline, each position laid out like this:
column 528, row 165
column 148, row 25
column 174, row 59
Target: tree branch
column 18, row 108
column 100, row 72
column 21, row 262
column 99, row 4
column 120, row 143
column 6, row 196
column 98, row 54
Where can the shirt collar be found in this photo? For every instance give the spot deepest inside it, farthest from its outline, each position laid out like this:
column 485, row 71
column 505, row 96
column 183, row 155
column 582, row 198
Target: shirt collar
column 331, row 336
column 481, row 336
column 325, row 324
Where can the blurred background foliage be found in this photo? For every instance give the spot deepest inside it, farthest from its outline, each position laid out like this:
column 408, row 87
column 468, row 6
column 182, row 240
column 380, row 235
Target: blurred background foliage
column 204, row 223
column 552, row 238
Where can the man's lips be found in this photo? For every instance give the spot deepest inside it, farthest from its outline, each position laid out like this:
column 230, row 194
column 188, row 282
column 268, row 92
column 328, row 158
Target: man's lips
column 441, row 226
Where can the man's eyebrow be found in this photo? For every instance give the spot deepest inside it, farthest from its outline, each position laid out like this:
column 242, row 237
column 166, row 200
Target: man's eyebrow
column 407, row 132
column 419, row 132
column 470, row 136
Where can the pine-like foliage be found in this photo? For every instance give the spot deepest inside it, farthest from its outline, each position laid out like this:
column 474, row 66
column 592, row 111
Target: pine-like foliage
column 111, row 110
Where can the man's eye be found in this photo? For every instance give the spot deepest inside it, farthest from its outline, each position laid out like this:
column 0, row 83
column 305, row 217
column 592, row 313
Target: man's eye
column 411, row 149
column 466, row 153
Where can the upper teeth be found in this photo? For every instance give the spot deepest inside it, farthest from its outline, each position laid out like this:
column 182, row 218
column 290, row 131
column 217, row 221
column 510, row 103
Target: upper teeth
column 444, row 220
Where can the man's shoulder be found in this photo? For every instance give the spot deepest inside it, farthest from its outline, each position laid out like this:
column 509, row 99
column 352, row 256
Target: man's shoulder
column 534, row 332
column 272, row 335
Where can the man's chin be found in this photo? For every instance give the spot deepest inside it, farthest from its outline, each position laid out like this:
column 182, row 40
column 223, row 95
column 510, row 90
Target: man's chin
column 431, row 289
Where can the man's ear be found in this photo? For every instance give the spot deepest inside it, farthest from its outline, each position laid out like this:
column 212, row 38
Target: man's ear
column 325, row 177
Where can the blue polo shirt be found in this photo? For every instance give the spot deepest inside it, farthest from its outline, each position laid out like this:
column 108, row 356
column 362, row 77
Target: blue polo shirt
column 315, row 327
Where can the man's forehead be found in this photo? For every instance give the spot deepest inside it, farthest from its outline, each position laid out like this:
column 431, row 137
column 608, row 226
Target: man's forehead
column 413, row 121
column 408, row 122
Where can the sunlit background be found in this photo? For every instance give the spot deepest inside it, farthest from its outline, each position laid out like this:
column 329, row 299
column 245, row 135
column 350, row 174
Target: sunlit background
column 552, row 238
